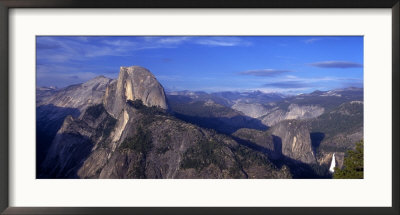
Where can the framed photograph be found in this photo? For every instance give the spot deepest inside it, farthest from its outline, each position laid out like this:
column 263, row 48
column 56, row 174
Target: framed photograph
column 204, row 107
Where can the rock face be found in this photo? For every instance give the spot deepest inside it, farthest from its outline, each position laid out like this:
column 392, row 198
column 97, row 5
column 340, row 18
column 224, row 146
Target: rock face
column 295, row 140
column 264, row 140
column 254, row 110
column 294, row 112
column 78, row 96
column 53, row 106
column 134, row 83
column 69, row 149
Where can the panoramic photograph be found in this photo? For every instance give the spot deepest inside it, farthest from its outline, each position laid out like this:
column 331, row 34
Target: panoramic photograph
column 199, row 107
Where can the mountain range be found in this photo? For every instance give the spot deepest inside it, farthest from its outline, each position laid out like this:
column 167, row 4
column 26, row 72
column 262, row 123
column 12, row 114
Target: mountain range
column 131, row 128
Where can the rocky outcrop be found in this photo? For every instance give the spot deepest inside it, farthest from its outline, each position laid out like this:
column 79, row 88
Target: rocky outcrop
column 254, row 110
column 295, row 140
column 294, row 111
column 54, row 105
column 78, row 96
column 134, row 83
column 304, row 112
column 263, row 141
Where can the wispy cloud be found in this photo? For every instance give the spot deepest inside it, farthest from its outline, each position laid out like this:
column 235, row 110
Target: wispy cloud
column 63, row 49
column 288, row 84
column 172, row 40
column 119, row 42
column 72, row 48
column 299, row 84
column 291, row 77
column 336, row 64
column 222, row 41
column 265, row 72
column 46, row 46
column 312, row 40
column 162, row 42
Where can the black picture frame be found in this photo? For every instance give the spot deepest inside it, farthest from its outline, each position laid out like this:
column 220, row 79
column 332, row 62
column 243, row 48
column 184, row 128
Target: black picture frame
column 4, row 102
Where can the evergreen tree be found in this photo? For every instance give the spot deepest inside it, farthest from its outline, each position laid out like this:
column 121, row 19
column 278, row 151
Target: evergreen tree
column 353, row 166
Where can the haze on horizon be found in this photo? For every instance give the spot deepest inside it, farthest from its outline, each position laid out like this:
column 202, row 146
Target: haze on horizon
column 283, row 64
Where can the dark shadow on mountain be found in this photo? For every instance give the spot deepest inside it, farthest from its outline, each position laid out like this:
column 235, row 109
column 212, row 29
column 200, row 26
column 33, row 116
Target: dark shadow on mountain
column 223, row 125
column 49, row 119
column 297, row 168
column 277, row 145
column 74, row 150
column 252, row 145
column 316, row 139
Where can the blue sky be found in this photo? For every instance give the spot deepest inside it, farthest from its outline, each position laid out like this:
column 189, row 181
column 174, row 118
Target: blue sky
column 284, row 64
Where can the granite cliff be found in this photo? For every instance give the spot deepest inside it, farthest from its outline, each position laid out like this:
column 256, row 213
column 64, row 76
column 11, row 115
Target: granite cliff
column 295, row 140
column 54, row 105
column 134, row 83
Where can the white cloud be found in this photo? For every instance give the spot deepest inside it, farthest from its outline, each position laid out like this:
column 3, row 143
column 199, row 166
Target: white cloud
column 222, row 41
column 216, row 43
column 119, row 42
column 291, row 77
column 336, row 64
column 172, row 40
column 265, row 72
column 312, row 40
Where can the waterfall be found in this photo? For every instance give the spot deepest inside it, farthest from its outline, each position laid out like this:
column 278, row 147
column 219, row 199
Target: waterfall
column 333, row 164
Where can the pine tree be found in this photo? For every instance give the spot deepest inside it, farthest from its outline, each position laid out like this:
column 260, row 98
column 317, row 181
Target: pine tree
column 353, row 166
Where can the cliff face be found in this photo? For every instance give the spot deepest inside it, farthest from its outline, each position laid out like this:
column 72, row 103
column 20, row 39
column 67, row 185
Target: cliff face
column 78, row 96
column 53, row 106
column 134, row 83
column 295, row 140
column 254, row 110
column 294, row 111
